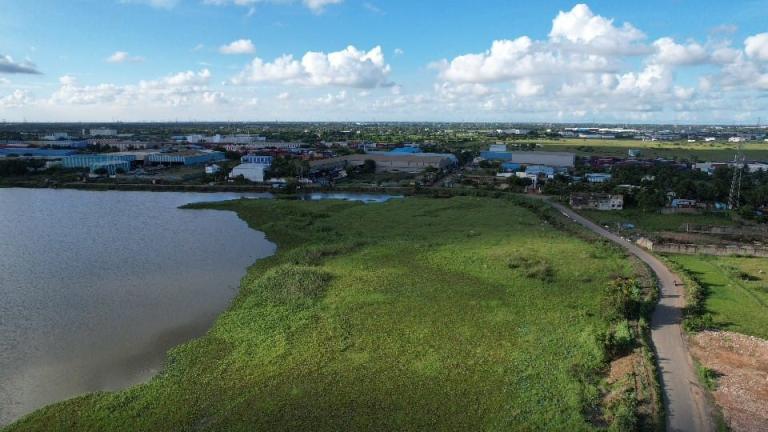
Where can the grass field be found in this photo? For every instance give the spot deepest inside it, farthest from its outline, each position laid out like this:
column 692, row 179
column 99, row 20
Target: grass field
column 700, row 151
column 454, row 314
column 736, row 291
column 654, row 221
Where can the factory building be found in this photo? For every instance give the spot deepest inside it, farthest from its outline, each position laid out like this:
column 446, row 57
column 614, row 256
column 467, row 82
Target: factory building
column 90, row 160
column 112, row 167
column 103, row 132
column 254, row 159
column 250, row 171
column 185, row 158
column 553, row 159
column 390, row 162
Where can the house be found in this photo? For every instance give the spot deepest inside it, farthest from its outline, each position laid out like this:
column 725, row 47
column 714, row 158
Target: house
column 598, row 178
column 597, row 201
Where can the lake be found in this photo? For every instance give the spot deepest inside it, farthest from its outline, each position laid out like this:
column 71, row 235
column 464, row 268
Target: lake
column 95, row 287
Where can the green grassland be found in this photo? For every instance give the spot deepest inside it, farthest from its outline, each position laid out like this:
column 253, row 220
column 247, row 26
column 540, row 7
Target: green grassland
column 699, row 151
column 736, row 293
column 649, row 222
column 453, row 314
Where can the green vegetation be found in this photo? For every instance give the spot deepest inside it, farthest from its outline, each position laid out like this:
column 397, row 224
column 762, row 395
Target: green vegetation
column 698, row 151
column 707, row 377
column 421, row 313
column 652, row 221
column 733, row 291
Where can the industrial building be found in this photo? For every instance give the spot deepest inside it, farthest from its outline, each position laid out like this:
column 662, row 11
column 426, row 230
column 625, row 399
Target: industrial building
column 553, row 159
column 598, row 178
column 255, row 159
column 390, row 162
column 185, row 158
column 35, row 152
column 597, row 201
column 112, row 167
column 250, row 171
column 103, row 132
column 91, row 160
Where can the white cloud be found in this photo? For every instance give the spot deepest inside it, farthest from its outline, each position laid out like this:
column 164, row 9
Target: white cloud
column 183, row 88
column 242, row 46
column 18, row 98
column 757, row 46
column 347, row 68
column 316, row 6
column 319, row 6
column 158, row 4
column 580, row 26
column 399, row 51
column 123, row 57
column 672, row 53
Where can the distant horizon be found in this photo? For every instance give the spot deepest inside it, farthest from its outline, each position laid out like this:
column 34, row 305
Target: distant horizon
column 331, row 60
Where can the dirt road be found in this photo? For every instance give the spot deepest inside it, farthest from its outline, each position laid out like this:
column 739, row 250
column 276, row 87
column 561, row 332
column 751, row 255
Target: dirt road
column 684, row 399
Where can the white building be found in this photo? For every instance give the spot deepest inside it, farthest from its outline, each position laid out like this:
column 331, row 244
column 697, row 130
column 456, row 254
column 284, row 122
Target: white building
column 736, row 139
column 212, row 169
column 251, row 172
column 57, row 136
column 103, row 132
column 498, row 148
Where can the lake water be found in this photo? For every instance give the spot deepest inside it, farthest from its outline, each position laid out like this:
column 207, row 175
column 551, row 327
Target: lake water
column 95, row 287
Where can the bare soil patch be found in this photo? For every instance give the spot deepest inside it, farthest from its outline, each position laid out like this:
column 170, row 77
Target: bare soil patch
column 741, row 363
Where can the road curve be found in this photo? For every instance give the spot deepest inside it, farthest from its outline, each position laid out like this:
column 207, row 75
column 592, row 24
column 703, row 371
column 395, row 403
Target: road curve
column 684, row 400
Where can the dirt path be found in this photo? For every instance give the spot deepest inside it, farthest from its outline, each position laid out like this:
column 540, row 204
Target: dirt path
column 684, row 400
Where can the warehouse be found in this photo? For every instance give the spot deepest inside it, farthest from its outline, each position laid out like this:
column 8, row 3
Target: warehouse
column 250, row 171
column 185, row 158
column 89, row 160
column 553, row 159
column 390, row 162
column 111, row 168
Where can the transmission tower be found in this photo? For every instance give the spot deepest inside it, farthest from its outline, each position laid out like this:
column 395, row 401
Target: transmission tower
column 738, row 167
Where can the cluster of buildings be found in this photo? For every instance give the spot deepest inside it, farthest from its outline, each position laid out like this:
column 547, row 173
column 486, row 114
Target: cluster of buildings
column 113, row 163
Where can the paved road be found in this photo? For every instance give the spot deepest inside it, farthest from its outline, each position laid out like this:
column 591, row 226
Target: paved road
column 684, row 399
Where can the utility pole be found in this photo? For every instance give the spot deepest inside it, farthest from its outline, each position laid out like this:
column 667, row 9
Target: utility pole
column 738, row 167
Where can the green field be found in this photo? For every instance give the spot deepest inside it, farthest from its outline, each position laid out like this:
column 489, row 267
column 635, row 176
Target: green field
column 736, row 291
column 653, row 221
column 453, row 314
column 699, row 151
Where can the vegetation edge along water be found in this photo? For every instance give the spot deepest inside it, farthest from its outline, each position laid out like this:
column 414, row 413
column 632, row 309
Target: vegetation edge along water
column 420, row 313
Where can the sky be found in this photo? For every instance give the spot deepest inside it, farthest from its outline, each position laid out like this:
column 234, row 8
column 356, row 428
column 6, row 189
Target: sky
column 656, row 61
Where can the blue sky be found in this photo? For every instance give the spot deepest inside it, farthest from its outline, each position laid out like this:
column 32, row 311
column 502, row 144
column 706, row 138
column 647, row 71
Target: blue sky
column 656, row 61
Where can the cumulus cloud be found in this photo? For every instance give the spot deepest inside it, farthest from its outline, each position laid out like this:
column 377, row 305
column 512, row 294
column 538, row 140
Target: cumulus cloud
column 670, row 52
column 123, row 57
column 346, row 68
column 18, row 98
column 242, row 46
column 10, row 66
column 183, row 88
column 581, row 27
column 757, row 46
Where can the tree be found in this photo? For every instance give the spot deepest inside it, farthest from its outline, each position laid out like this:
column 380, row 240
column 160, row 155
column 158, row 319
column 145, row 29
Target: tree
column 368, row 167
